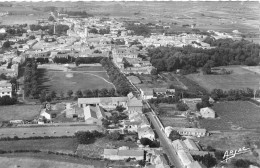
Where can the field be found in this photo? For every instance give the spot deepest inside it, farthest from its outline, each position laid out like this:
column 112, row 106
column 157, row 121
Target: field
column 239, row 79
column 19, row 112
column 38, row 163
column 53, row 131
column 61, row 145
column 81, row 78
column 240, row 115
column 96, row 149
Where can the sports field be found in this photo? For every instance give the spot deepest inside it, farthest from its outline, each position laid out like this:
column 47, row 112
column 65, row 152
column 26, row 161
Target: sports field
column 78, row 79
column 62, row 145
column 19, row 112
column 233, row 115
column 239, row 79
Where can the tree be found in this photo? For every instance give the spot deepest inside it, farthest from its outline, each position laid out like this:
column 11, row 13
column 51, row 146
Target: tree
column 207, row 160
column 174, row 135
column 145, row 141
column 182, row 106
column 105, row 123
column 120, row 108
column 112, row 92
column 61, row 95
column 32, row 37
column 114, row 135
column 53, row 94
column 79, row 94
column 103, row 92
column 43, row 96
column 154, row 72
column 6, row 44
column 51, row 19
column 206, row 69
column 87, row 93
column 70, row 93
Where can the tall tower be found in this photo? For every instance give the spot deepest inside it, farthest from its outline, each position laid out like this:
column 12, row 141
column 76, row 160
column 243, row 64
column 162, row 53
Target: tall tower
column 54, row 31
column 86, row 32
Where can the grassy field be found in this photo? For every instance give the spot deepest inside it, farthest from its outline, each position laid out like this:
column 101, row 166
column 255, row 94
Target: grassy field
column 19, row 112
column 61, row 145
column 239, row 79
column 64, row 81
column 233, row 116
column 38, row 163
column 96, row 149
column 89, row 68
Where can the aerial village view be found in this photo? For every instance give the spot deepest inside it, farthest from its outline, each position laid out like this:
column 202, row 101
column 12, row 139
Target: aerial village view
column 129, row 84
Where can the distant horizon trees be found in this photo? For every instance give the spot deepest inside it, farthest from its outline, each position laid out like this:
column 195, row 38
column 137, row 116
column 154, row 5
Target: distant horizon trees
column 227, row 52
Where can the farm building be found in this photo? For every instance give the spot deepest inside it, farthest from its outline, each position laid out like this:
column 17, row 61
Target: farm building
column 118, row 154
column 185, row 157
column 73, row 111
column 146, row 93
column 94, row 115
column 191, row 145
column 198, row 132
column 109, row 103
column 207, row 112
column 179, row 145
column 135, row 105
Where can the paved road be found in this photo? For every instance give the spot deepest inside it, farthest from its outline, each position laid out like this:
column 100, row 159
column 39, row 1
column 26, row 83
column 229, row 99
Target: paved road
column 168, row 148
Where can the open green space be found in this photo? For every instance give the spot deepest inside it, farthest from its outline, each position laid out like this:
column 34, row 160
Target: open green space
column 239, row 79
column 19, row 112
column 63, row 81
column 58, row 144
column 233, row 115
column 96, row 149
column 88, row 68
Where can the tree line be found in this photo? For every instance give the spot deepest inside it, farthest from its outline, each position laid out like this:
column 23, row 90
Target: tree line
column 59, row 29
column 188, row 58
column 118, row 79
column 88, row 93
column 78, row 13
column 30, row 78
column 100, row 31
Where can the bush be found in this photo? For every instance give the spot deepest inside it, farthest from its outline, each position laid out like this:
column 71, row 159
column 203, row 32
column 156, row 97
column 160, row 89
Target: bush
column 174, row 135
column 114, row 135
column 182, row 106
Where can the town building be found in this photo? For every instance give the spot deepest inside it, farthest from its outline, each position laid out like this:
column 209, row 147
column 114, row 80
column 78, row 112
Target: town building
column 135, row 105
column 146, row 93
column 146, row 132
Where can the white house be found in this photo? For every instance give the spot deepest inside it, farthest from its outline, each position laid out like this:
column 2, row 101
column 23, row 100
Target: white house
column 5, row 88
column 146, row 132
column 207, row 112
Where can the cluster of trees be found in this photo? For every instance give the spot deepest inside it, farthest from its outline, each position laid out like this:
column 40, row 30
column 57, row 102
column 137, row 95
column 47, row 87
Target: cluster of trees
column 243, row 163
column 207, row 160
column 226, row 52
column 234, row 94
column 6, row 100
column 87, row 137
column 30, row 78
column 88, row 60
column 100, row 31
column 44, row 96
column 174, row 135
column 42, row 60
column 115, row 136
column 168, row 100
column 6, row 44
column 139, row 30
column 118, row 42
column 82, row 14
column 59, row 29
column 118, row 79
column 150, row 143
column 64, row 60
column 182, row 106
